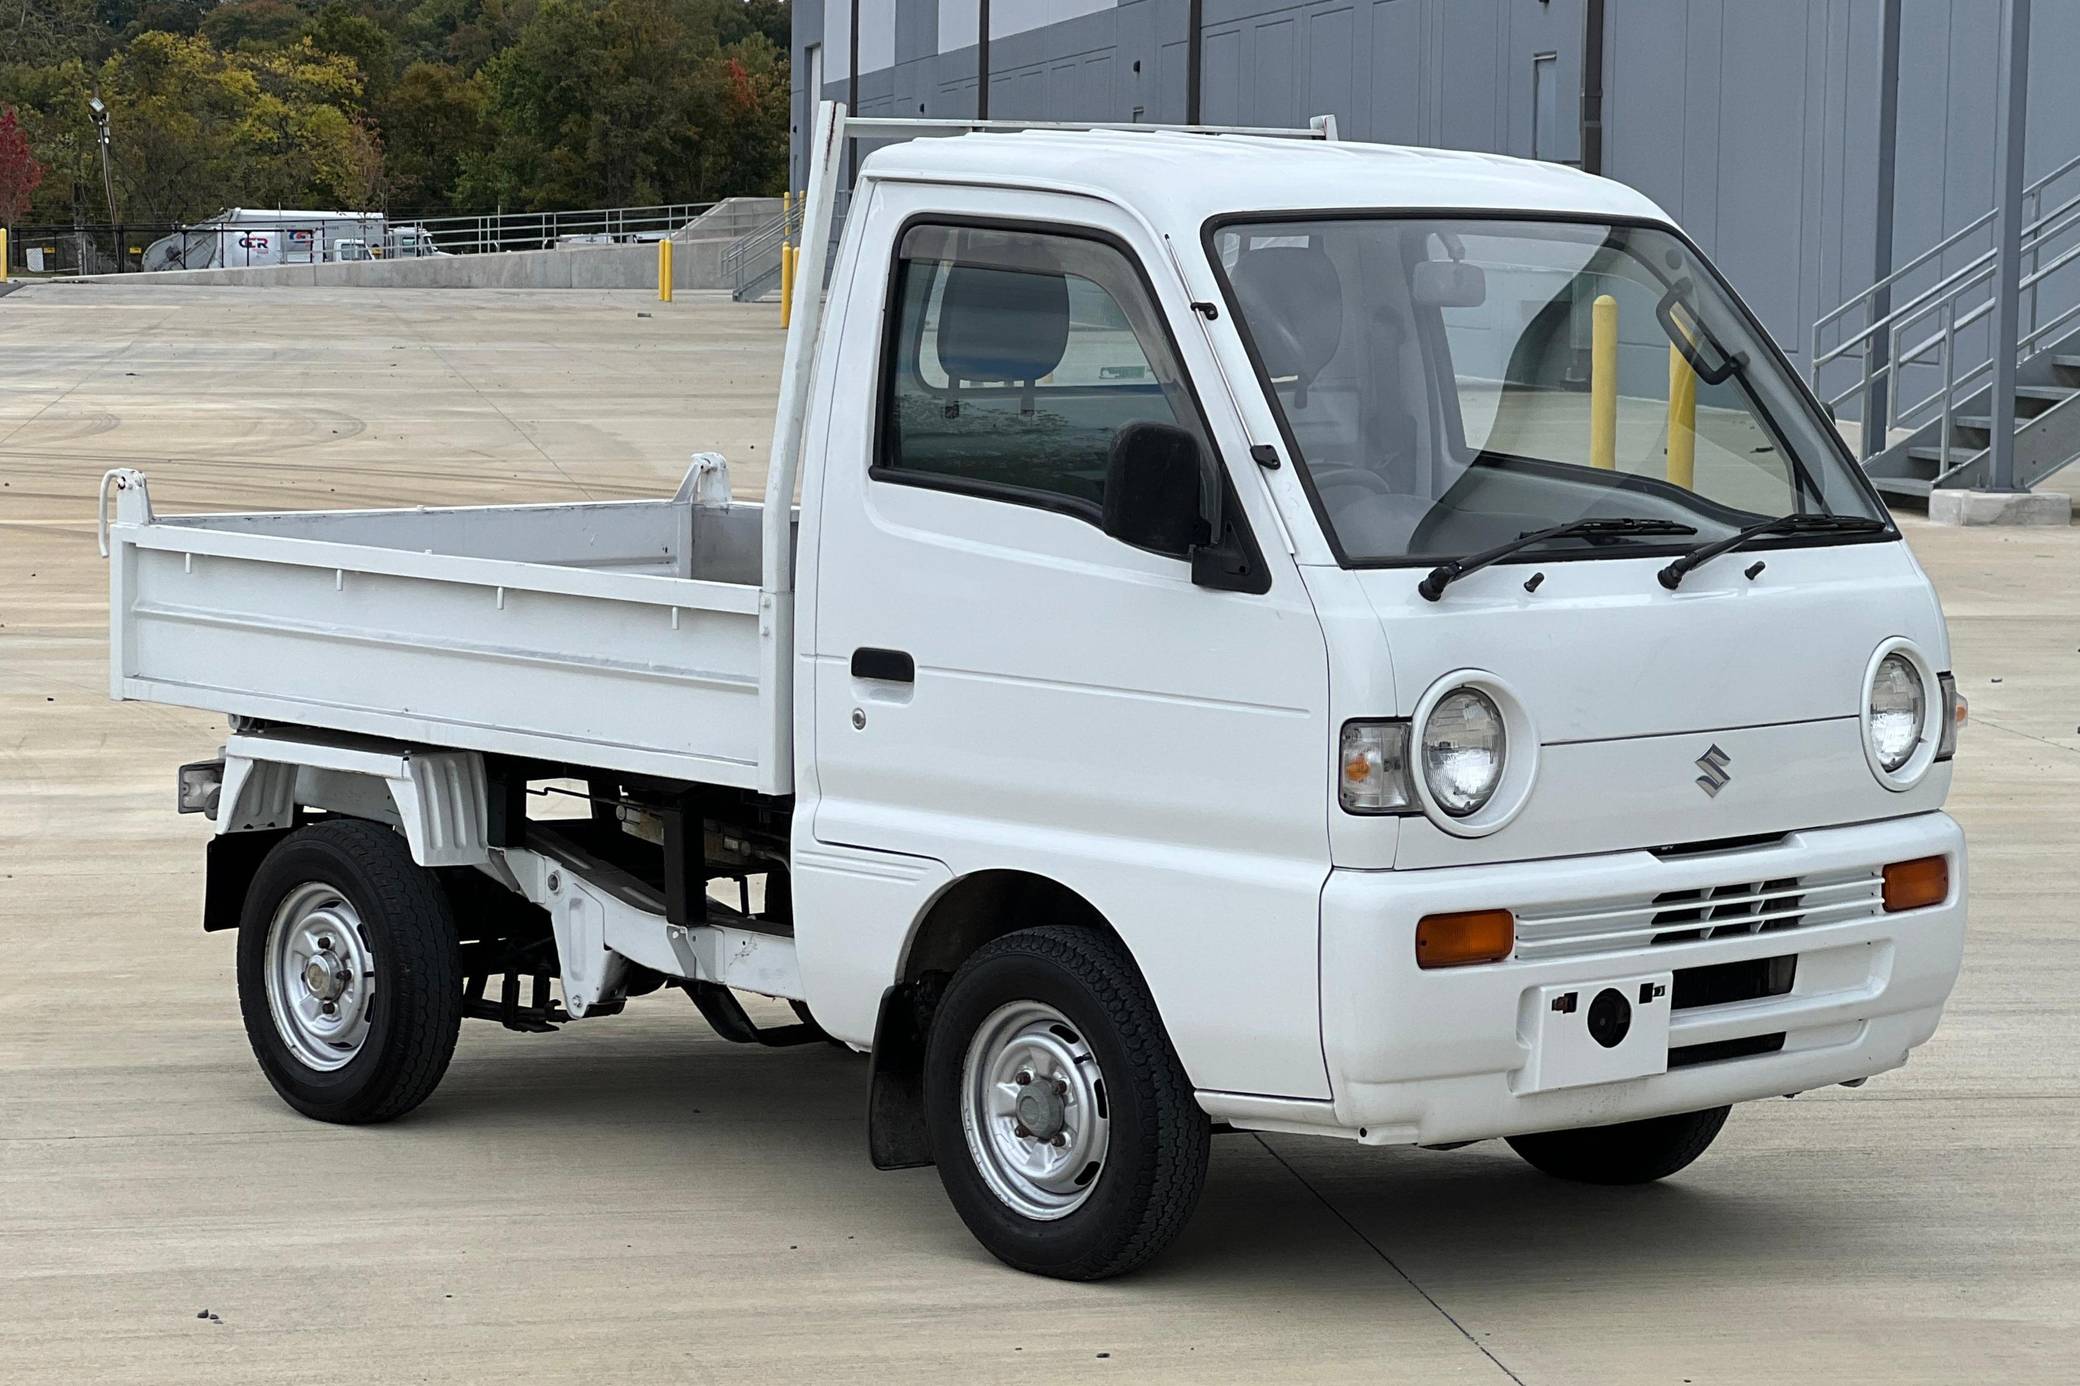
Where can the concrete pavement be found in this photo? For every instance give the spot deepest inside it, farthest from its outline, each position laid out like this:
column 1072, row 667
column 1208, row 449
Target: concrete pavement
column 634, row 1200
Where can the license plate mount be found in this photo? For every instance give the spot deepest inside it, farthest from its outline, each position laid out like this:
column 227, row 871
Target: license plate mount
column 1603, row 1031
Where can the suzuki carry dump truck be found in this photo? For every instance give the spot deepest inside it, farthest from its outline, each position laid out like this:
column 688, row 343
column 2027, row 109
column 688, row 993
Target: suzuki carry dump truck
column 1277, row 634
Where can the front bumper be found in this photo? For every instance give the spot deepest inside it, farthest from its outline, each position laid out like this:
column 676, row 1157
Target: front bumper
column 1446, row 1055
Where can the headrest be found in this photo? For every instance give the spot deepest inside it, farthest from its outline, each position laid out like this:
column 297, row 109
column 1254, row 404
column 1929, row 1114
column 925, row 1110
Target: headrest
column 1292, row 299
column 997, row 324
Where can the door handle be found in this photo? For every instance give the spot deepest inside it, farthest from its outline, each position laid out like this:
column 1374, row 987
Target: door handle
column 889, row 666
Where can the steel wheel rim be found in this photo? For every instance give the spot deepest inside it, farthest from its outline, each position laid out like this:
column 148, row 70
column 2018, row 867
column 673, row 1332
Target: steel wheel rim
column 321, row 976
column 1034, row 1110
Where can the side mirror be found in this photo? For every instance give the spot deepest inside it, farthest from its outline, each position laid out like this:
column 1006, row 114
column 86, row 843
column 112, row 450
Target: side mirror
column 1154, row 479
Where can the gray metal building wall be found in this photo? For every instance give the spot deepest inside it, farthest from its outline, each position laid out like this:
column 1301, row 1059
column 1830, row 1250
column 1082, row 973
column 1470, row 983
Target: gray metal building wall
column 1752, row 121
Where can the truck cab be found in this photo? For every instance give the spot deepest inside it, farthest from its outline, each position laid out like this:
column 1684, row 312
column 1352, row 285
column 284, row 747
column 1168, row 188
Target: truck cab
column 410, row 243
column 1276, row 634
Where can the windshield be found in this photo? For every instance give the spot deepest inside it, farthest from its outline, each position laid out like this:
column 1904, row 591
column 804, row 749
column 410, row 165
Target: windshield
column 1451, row 384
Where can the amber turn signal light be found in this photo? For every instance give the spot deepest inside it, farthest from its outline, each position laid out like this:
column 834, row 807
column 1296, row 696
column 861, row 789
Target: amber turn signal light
column 1913, row 885
column 1469, row 936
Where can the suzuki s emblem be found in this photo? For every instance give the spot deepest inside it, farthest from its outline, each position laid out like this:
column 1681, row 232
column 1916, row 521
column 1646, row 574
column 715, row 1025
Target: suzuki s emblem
column 1714, row 778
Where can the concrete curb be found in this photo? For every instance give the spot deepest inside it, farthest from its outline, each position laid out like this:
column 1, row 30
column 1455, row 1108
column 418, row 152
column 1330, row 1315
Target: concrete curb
column 2045, row 509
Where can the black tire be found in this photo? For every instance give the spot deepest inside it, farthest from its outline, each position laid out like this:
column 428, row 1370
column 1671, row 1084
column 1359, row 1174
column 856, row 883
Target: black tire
column 1631, row 1152
column 1154, row 1166
column 409, row 931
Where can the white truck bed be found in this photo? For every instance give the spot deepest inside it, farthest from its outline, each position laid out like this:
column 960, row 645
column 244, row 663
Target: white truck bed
column 621, row 635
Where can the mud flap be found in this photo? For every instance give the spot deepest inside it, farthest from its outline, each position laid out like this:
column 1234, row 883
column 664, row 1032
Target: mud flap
column 897, row 1137
column 229, row 862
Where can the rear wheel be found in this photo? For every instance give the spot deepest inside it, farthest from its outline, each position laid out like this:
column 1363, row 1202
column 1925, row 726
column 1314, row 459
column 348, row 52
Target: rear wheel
column 1063, row 1125
column 349, row 973
column 1631, row 1152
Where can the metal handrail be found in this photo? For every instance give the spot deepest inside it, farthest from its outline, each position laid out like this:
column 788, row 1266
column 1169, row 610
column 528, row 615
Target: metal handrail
column 1946, row 301
column 764, row 238
column 757, row 253
column 1983, row 260
column 1948, row 243
column 485, row 232
column 2028, row 281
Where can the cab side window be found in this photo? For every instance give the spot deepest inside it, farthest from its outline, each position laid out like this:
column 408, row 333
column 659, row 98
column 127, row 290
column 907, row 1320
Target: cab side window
column 1013, row 362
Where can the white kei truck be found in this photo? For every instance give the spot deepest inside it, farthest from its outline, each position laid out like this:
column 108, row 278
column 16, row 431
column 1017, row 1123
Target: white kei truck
column 1277, row 634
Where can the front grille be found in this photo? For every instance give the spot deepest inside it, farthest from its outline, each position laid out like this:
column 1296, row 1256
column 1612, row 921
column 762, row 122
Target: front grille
column 1708, row 912
column 1724, row 911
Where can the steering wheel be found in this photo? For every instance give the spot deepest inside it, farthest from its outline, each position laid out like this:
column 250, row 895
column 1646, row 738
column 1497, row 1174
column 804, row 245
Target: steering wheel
column 1338, row 473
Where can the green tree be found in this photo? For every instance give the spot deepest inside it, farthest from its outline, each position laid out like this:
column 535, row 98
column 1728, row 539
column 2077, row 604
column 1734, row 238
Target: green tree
column 253, row 24
column 613, row 102
column 338, row 29
column 430, row 104
column 743, row 114
column 432, row 122
column 43, row 32
column 126, row 19
column 196, row 129
column 51, row 107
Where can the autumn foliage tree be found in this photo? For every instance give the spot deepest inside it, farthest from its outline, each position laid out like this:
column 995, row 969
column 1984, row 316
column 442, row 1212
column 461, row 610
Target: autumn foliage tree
column 19, row 170
column 417, row 106
column 615, row 102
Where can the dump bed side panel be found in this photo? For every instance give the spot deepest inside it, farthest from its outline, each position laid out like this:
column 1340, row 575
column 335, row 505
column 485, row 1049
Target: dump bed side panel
column 616, row 666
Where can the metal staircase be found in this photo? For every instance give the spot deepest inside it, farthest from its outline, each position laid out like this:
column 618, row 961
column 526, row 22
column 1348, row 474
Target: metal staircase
column 1931, row 356
column 751, row 265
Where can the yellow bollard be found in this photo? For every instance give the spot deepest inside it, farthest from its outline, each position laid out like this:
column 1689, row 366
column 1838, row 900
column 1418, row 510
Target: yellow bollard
column 1682, row 421
column 787, row 253
column 1603, row 383
column 3, row 255
column 664, row 270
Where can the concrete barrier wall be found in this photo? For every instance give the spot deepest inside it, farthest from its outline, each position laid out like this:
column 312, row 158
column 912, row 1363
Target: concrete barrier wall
column 696, row 264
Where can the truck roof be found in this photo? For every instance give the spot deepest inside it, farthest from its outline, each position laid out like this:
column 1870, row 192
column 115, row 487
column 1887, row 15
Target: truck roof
column 1179, row 178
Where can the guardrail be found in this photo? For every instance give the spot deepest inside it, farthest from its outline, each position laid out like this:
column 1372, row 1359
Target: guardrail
column 495, row 231
column 106, row 249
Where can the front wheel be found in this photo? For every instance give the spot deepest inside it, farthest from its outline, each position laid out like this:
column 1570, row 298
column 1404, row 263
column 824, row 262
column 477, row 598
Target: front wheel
column 1062, row 1123
column 1630, row 1152
column 349, row 973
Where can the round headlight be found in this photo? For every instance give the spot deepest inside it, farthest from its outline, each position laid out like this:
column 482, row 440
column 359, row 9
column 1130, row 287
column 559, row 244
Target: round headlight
column 1463, row 747
column 1898, row 713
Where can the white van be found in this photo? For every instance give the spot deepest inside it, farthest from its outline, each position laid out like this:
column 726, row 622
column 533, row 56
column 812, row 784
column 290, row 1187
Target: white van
column 1276, row 635
column 253, row 237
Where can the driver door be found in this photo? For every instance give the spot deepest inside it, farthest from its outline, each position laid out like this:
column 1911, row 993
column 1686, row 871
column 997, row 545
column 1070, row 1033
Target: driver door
column 1002, row 685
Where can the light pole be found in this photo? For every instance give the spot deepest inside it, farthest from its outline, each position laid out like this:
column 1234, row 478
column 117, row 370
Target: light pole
column 99, row 110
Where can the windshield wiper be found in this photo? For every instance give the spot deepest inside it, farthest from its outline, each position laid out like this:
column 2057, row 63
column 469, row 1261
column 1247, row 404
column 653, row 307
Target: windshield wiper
column 1445, row 574
column 1672, row 576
